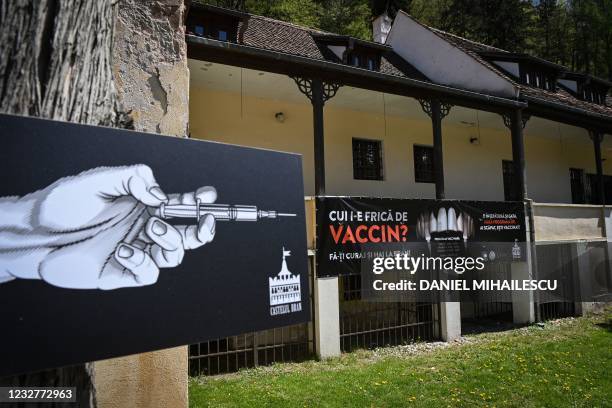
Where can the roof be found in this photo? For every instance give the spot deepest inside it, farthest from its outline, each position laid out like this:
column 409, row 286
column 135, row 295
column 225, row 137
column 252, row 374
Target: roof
column 519, row 56
column 278, row 36
column 587, row 78
column 478, row 51
column 275, row 35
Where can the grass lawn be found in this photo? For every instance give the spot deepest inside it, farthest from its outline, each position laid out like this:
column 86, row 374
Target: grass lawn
column 566, row 363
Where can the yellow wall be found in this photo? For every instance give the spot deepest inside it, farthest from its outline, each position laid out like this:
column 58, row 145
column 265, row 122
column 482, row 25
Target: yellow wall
column 470, row 171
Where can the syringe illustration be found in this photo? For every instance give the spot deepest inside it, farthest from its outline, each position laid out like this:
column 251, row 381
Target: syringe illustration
column 221, row 212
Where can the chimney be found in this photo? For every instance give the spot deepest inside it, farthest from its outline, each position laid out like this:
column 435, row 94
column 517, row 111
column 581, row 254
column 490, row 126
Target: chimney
column 381, row 27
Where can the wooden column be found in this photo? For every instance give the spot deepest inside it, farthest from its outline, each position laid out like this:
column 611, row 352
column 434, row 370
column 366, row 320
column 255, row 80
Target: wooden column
column 436, row 123
column 318, row 103
column 597, row 137
column 318, row 92
column 518, row 151
column 437, row 110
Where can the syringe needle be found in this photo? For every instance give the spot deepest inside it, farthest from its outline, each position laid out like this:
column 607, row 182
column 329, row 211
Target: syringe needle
column 285, row 215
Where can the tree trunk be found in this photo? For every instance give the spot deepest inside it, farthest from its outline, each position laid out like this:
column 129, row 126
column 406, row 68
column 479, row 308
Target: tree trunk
column 56, row 64
column 59, row 60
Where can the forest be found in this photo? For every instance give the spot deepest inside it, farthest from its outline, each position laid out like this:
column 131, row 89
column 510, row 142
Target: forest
column 573, row 33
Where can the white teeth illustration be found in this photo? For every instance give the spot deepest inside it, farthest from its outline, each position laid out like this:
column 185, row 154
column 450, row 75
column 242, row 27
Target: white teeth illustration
column 433, row 224
column 442, row 220
column 447, row 220
column 452, row 219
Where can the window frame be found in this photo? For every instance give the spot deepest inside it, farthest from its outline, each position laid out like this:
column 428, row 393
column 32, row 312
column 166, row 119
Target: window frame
column 360, row 172
column 420, row 178
column 213, row 24
column 579, row 190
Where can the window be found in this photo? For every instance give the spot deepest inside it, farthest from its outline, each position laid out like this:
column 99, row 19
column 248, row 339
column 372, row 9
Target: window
column 578, row 186
column 511, row 191
column 424, row 170
column 367, row 159
column 592, row 189
column 364, row 59
column 592, row 196
column 371, row 64
column 592, row 93
column 218, row 25
column 538, row 77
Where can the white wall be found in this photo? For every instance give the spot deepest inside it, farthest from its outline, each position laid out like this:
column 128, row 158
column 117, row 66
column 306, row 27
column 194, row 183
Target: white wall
column 442, row 62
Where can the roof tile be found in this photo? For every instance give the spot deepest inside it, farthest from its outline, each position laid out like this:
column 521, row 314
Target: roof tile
column 280, row 36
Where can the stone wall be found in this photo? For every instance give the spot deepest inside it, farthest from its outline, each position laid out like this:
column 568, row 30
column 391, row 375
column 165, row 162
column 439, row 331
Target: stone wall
column 150, row 64
column 152, row 81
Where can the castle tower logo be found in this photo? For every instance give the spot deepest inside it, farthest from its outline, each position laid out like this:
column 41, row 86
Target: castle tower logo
column 285, row 290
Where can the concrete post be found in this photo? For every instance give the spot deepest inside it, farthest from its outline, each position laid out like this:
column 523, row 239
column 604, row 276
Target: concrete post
column 607, row 224
column 523, row 310
column 450, row 320
column 327, row 317
column 583, row 275
column 523, row 303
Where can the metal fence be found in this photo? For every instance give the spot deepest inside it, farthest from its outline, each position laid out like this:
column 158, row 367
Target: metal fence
column 376, row 324
column 230, row 354
column 488, row 304
column 559, row 256
column 368, row 324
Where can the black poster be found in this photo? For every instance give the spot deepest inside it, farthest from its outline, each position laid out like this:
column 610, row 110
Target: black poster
column 115, row 242
column 354, row 229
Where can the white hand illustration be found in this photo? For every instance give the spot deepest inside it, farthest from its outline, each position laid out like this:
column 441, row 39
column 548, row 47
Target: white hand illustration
column 97, row 230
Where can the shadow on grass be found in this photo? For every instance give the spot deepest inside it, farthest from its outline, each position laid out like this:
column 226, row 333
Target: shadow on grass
column 490, row 324
column 607, row 325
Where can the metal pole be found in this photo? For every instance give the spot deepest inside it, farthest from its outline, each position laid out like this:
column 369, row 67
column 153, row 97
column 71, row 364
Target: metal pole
column 436, row 122
column 518, row 153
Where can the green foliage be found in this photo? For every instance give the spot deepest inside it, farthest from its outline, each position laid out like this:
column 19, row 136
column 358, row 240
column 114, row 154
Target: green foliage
column 575, row 33
column 346, row 17
column 499, row 23
column 302, row 12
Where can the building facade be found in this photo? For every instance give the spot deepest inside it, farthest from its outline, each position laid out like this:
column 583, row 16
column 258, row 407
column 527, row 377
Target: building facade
column 418, row 114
